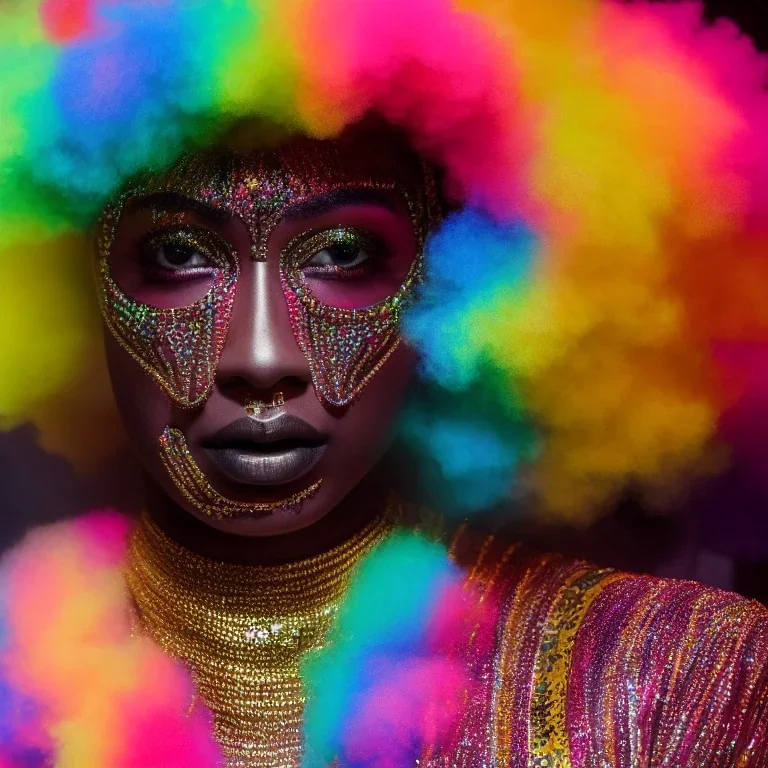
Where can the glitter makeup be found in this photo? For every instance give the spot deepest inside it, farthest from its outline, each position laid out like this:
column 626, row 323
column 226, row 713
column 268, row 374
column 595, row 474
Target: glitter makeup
column 180, row 348
column 345, row 347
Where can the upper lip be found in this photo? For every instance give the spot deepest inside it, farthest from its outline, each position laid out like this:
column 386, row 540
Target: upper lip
column 254, row 432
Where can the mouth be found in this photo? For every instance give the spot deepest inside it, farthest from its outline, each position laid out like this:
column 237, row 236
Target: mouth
column 275, row 451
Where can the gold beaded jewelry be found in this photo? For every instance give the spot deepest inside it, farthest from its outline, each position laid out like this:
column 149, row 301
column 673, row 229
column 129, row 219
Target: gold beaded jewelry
column 258, row 407
column 244, row 630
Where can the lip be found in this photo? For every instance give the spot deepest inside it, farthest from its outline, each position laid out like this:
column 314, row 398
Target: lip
column 275, row 451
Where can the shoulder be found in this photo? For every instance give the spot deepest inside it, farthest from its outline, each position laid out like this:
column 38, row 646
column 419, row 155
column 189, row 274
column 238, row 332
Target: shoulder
column 594, row 659
column 675, row 628
column 577, row 597
column 686, row 665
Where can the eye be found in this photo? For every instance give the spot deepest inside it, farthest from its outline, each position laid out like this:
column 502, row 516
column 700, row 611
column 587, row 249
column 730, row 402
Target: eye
column 339, row 255
column 341, row 252
column 179, row 256
column 181, row 253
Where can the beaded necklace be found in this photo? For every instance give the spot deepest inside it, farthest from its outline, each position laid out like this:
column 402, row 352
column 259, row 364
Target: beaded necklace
column 244, row 630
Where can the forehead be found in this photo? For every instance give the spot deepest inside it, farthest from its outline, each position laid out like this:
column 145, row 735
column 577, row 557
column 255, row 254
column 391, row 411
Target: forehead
column 296, row 171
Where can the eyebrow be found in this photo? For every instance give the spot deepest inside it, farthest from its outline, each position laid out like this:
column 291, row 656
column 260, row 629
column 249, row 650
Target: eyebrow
column 337, row 198
column 177, row 201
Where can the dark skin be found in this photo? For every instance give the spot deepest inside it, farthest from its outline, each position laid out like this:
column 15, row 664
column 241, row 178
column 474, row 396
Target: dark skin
column 261, row 358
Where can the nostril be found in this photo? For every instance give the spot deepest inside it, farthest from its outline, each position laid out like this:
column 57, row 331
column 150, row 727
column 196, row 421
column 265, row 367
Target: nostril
column 263, row 367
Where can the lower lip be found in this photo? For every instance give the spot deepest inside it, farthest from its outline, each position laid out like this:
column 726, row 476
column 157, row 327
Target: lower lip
column 253, row 468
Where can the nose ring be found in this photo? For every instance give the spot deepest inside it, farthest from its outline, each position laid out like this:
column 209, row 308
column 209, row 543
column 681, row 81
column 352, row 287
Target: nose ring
column 258, row 407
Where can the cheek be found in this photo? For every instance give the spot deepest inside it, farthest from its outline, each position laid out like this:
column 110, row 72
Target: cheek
column 144, row 408
column 367, row 429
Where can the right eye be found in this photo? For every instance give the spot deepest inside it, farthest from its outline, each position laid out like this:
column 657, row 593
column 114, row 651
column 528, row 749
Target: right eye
column 176, row 257
column 176, row 254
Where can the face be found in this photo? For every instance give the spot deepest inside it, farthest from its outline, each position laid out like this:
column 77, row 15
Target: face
column 251, row 303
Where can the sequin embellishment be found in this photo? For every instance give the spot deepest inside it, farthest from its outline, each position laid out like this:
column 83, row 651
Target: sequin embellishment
column 549, row 744
column 179, row 347
column 345, row 347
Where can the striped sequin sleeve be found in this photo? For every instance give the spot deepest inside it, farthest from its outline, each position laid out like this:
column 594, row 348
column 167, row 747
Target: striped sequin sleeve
column 667, row 673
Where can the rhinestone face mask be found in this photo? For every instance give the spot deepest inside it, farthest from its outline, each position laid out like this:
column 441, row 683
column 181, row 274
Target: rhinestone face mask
column 345, row 347
column 180, row 348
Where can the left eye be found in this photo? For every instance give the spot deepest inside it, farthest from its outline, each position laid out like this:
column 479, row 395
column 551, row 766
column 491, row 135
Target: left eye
column 342, row 252
column 345, row 255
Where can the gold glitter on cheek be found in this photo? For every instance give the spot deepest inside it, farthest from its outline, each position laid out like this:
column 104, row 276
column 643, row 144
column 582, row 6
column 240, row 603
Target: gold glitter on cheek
column 197, row 490
column 179, row 348
column 345, row 348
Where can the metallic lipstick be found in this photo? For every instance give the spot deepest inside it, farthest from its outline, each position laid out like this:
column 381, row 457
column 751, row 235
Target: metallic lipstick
column 272, row 451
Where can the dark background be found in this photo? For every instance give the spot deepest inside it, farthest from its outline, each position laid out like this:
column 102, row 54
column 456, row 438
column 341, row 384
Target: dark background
column 750, row 14
column 701, row 540
column 751, row 577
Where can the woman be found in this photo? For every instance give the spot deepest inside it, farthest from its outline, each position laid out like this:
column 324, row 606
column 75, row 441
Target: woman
column 277, row 604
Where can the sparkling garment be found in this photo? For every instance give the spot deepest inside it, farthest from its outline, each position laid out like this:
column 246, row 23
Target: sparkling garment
column 572, row 666
column 592, row 668
column 243, row 630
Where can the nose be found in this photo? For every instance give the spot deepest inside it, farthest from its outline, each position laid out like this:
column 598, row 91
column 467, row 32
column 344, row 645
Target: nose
column 261, row 355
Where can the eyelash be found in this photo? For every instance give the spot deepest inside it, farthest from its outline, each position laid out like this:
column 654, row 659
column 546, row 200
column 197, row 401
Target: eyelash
column 309, row 246
column 331, row 272
column 202, row 241
column 314, row 243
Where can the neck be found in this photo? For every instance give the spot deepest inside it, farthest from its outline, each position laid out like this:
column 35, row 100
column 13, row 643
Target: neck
column 244, row 631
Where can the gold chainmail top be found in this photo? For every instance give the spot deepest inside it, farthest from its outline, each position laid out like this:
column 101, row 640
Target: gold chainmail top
column 244, row 630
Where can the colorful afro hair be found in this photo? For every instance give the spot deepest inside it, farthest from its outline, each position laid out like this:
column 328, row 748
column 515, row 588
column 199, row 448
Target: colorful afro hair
column 609, row 166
